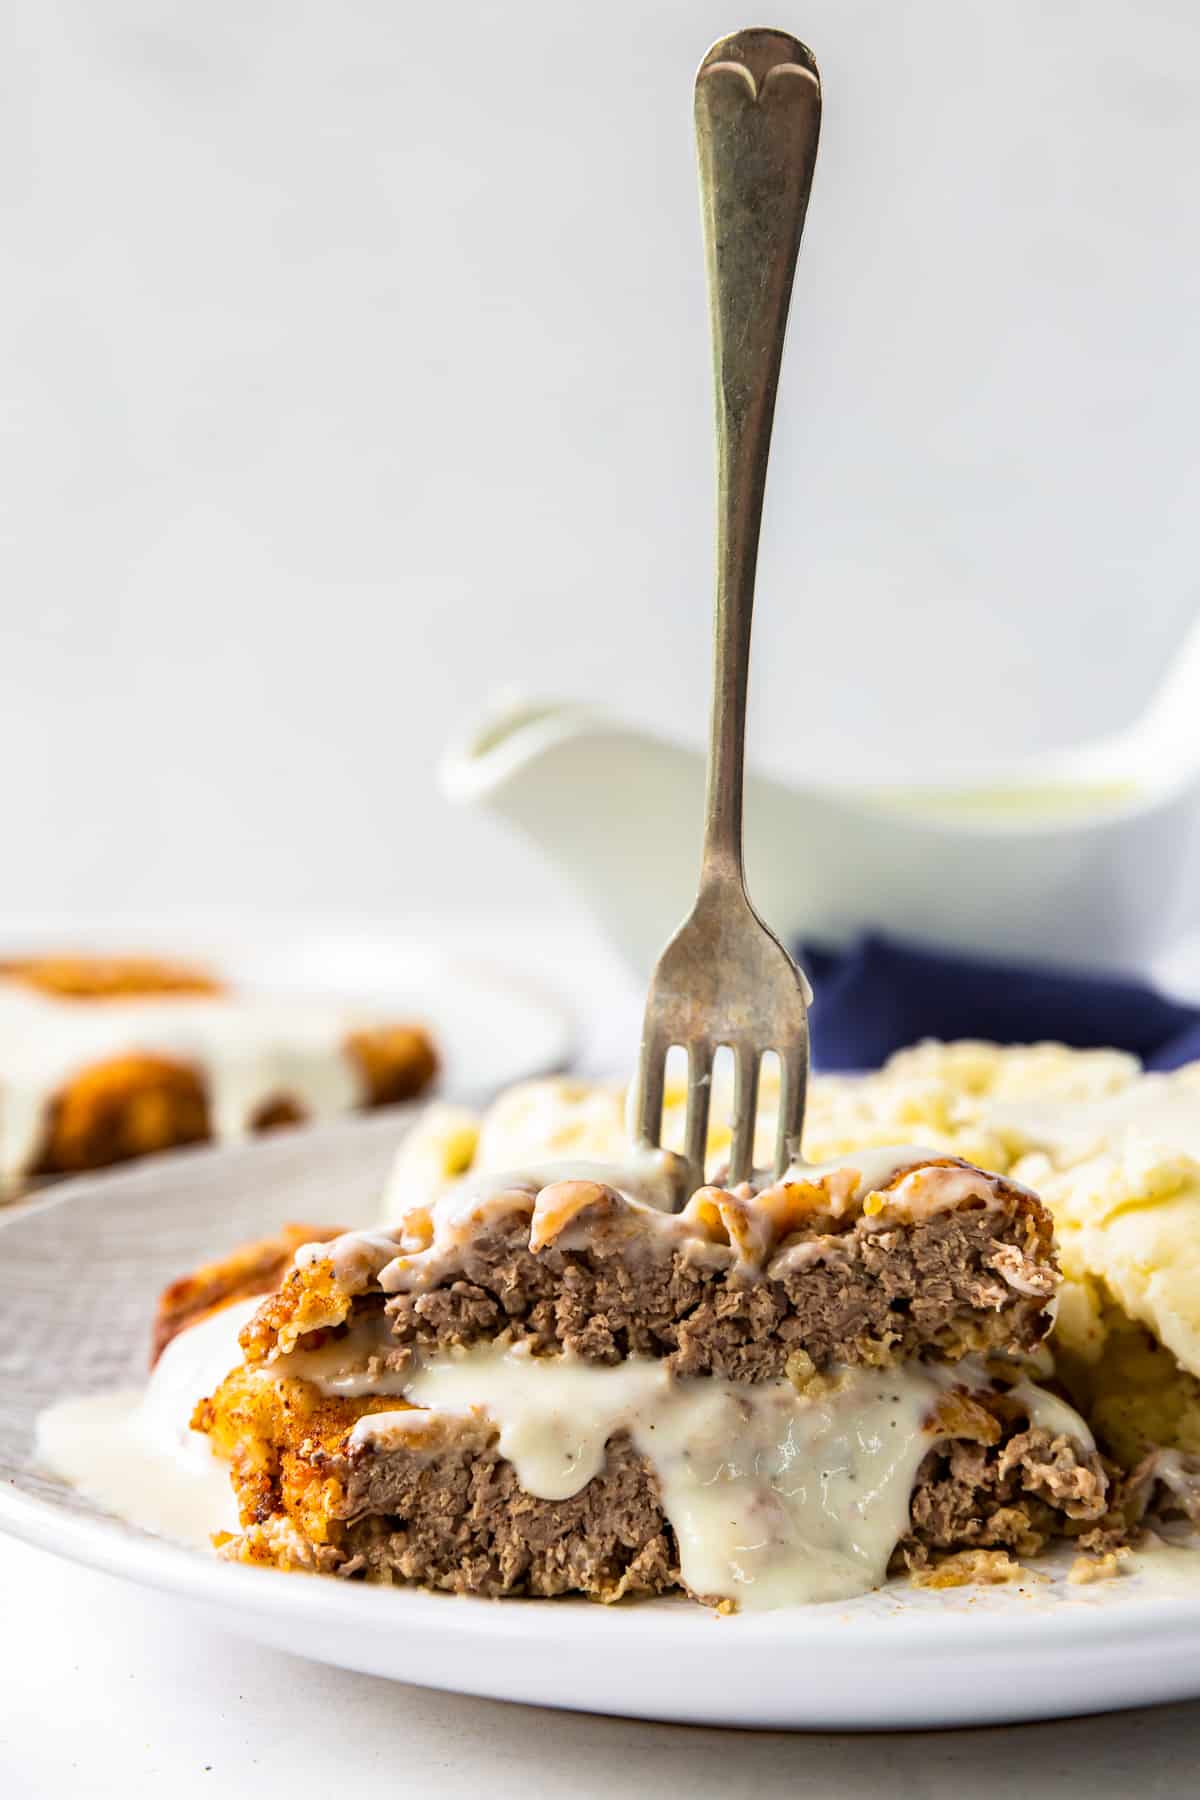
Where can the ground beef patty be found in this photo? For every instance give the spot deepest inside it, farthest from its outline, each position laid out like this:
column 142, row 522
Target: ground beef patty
column 732, row 1286
column 458, row 1520
column 864, row 1296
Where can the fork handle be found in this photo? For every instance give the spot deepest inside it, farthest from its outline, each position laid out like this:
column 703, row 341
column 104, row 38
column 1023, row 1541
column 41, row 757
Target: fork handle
column 758, row 115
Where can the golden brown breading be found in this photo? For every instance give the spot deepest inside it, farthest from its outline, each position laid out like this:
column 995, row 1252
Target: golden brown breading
column 128, row 1106
column 276, row 1434
column 74, row 977
column 396, row 1062
column 255, row 1268
column 277, row 1115
column 306, row 1300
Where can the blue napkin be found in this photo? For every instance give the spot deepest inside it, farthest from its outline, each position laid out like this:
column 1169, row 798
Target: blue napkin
column 880, row 995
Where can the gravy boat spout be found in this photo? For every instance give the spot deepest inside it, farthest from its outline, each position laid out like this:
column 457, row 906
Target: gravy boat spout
column 1081, row 858
column 616, row 808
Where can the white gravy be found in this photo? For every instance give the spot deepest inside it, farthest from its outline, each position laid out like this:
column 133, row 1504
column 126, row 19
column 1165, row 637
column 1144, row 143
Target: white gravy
column 776, row 1498
column 134, row 1452
column 343, row 1365
column 1046, row 1411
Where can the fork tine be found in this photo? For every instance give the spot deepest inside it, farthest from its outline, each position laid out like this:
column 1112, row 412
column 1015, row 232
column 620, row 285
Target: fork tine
column 651, row 1083
column 695, row 1147
column 745, row 1112
column 793, row 1090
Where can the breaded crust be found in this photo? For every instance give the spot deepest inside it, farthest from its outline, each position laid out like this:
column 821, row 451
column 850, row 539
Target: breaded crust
column 125, row 1107
column 73, row 977
column 396, row 1062
column 254, row 1268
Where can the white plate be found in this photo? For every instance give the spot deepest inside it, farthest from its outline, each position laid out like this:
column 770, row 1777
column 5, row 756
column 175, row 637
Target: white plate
column 78, row 1276
column 493, row 1025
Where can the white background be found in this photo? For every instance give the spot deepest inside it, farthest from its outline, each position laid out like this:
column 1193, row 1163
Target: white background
column 354, row 362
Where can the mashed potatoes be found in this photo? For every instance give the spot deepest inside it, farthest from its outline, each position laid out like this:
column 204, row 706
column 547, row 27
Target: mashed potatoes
column 1127, row 1339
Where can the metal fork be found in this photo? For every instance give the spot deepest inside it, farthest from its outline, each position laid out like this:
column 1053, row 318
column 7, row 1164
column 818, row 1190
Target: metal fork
column 725, row 979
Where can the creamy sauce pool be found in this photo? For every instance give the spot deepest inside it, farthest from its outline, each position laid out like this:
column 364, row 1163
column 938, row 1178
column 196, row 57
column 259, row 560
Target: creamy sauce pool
column 134, row 1453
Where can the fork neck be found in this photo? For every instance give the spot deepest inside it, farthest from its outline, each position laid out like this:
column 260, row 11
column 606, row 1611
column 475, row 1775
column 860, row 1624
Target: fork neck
column 757, row 107
column 722, row 855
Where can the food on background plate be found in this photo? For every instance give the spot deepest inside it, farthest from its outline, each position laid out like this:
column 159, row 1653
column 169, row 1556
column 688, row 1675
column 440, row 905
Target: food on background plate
column 106, row 1058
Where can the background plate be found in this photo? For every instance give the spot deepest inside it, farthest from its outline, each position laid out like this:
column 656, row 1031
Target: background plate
column 79, row 1273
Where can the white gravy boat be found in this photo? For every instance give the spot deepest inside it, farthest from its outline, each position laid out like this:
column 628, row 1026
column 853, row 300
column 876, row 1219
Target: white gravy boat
column 1080, row 857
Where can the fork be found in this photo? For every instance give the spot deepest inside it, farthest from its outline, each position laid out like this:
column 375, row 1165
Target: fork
column 725, row 980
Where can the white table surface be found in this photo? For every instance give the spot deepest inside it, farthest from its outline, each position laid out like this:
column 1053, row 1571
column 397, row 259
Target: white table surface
column 106, row 1688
